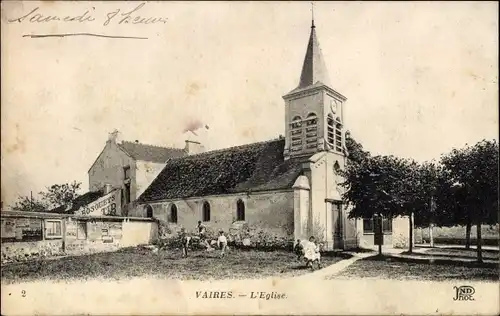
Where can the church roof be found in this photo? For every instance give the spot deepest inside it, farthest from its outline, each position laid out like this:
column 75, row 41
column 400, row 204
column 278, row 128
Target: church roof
column 253, row 167
column 151, row 153
column 314, row 68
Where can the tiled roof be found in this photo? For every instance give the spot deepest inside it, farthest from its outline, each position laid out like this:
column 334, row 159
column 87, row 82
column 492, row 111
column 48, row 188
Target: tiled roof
column 252, row 167
column 151, row 153
column 80, row 201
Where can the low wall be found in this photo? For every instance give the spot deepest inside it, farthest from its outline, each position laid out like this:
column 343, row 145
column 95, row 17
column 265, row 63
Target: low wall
column 456, row 235
column 79, row 235
column 22, row 251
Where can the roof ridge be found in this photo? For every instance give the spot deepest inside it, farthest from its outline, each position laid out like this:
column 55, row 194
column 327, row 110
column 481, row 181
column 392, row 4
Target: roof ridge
column 229, row 148
column 150, row 145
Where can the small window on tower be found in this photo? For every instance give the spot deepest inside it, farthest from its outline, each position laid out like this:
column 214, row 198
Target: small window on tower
column 336, row 166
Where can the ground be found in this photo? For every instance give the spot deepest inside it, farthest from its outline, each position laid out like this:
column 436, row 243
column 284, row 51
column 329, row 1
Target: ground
column 140, row 262
column 435, row 264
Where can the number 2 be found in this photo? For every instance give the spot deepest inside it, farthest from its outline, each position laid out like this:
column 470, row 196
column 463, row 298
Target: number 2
column 23, row 293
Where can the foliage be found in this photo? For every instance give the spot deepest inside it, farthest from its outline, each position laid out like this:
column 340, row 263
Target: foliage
column 27, row 204
column 56, row 195
column 377, row 186
column 472, row 174
column 61, row 194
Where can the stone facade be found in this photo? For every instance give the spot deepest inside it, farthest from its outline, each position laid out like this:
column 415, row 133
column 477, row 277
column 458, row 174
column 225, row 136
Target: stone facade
column 270, row 212
column 109, row 169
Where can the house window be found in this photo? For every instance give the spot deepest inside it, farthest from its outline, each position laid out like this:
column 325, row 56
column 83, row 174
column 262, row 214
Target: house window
column 173, row 214
column 387, row 225
column 53, row 229
column 240, row 210
column 81, row 230
column 126, row 194
column 206, row 211
column 149, row 211
column 368, row 225
column 126, row 172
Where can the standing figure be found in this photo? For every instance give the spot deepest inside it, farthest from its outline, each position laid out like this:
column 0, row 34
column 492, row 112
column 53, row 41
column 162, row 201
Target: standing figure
column 184, row 242
column 222, row 243
column 299, row 250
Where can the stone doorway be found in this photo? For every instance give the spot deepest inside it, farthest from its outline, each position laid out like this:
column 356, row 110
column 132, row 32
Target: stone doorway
column 337, row 225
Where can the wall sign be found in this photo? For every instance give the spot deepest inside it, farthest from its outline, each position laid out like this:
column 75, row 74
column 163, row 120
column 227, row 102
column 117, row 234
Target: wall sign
column 108, row 205
column 21, row 229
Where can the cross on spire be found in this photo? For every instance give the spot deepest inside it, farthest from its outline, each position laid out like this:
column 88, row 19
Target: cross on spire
column 312, row 14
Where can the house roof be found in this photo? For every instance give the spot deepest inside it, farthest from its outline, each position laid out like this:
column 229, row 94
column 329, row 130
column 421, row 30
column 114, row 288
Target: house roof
column 150, row 153
column 253, row 167
column 80, row 201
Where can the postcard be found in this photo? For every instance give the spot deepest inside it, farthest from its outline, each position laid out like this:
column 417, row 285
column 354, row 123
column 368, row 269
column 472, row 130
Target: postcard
column 249, row 158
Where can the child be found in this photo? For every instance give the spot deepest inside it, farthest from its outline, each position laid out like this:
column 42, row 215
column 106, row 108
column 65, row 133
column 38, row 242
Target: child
column 222, row 243
column 184, row 242
column 299, row 250
column 311, row 252
column 317, row 250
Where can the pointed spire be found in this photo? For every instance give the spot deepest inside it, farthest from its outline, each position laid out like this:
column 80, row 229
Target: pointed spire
column 314, row 68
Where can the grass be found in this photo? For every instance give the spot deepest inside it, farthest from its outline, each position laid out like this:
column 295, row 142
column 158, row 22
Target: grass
column 403, row 268
column 139, row 262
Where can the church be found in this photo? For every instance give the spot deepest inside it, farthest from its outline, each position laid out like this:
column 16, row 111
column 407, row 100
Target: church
column 286, row 187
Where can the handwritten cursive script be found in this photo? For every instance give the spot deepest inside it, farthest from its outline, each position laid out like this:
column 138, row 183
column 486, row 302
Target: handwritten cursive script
column 117, row 16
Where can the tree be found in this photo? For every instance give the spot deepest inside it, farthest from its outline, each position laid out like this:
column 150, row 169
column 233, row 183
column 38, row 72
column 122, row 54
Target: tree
column 55, row 196
column 379, row 186
column 29, row 204
column 355, row 151
column 452, row 205
column 61, row 194
column 474, row 172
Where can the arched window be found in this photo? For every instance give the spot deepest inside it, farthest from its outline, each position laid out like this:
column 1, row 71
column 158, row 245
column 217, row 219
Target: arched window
column 338, row 135
column 149, row 211
column 311, row 131
column 330, row 136
column 296, row 134
column 240, row 210
column 173, row 214
column 206, row 211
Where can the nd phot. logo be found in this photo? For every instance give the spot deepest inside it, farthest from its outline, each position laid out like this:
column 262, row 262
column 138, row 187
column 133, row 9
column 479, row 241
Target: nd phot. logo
column 464, row 293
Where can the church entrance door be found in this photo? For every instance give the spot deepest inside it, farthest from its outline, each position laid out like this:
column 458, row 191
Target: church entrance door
column 338, row 229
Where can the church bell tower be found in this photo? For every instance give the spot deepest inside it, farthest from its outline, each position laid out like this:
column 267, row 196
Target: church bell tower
column 314, row 115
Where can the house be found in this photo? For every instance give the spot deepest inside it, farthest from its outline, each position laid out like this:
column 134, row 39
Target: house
column 286, row 187
column 132, row 166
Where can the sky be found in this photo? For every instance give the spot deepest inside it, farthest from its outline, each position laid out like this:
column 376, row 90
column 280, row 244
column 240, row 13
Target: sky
column 421, row 78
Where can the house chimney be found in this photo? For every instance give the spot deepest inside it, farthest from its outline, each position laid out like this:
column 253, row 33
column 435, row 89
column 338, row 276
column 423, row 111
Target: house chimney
column 193, row 147
column 113, row 136
column 107, row 188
